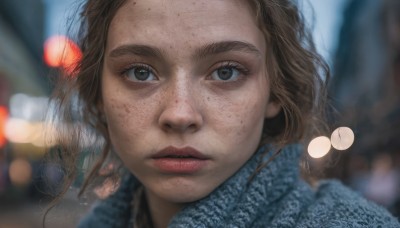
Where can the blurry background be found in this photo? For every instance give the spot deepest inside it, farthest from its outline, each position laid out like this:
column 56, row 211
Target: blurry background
column 360, row 39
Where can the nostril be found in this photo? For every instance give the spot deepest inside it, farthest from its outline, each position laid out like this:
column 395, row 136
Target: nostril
column 193, row 127
column 180, row 126
column 181, row 117
column 168, row 126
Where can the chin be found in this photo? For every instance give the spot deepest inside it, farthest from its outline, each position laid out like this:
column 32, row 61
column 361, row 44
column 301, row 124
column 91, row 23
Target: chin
column 182, row 192
column 184, row 198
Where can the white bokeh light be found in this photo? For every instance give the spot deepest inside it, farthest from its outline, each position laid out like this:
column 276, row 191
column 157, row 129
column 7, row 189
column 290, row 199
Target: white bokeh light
column 28, row 108
column 319, row 147
column 342, row 138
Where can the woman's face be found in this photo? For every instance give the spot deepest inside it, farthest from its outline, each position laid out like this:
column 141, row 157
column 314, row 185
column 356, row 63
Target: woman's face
column 185, row 92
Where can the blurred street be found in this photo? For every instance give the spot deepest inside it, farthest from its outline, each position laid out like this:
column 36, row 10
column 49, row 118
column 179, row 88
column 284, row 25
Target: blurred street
column 29, row 215
column 360, row 40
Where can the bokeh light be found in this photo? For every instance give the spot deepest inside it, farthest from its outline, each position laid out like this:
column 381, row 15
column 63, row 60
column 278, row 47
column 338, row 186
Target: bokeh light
column 20, row 172
column 3, row 119
column 26, row 107
column 60, row 51
column 109, row 186
column 47, row 136
column 319, row 147
column 20, row 131
column 36, row 133
column 342, row 138
column 25, row 123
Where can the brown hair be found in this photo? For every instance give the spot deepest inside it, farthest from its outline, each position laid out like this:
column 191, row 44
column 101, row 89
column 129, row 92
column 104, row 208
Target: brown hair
column 294, row 69
column 298, row 74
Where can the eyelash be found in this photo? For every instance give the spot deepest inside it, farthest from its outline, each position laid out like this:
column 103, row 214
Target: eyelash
column 125, row 70
column 228, row 64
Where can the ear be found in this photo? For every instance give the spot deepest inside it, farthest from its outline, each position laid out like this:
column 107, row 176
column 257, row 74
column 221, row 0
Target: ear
column 272, row 109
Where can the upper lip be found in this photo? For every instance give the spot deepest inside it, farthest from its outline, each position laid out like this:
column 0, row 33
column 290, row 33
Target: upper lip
column 172, row 151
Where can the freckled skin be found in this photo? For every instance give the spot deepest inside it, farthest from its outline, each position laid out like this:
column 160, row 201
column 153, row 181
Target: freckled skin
column 183, row 107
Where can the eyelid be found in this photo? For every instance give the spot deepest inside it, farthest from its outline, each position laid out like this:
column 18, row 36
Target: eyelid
column 233, row 64
column 124, row 72
column 135, row 65
column 243, row 70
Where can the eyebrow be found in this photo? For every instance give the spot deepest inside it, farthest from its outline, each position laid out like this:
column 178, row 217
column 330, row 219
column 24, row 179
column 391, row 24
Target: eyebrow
column 136, row 49
column 202, row 52
column 226, row 46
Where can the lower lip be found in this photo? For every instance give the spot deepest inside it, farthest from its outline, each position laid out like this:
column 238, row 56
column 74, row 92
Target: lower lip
column 179, row 165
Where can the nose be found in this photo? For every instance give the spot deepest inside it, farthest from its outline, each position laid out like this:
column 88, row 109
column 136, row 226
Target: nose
column 181, row 111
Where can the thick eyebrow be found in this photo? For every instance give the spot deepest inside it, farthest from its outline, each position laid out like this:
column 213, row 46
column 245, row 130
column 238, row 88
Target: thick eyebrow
column 136, row 49
column 225, row 46
column 202, row 52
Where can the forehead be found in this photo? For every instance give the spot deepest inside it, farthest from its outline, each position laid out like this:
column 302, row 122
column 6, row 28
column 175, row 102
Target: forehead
column 179, row 23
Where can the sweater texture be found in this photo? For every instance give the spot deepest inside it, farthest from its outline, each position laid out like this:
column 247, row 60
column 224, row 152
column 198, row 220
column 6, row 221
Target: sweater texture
column 275, row 197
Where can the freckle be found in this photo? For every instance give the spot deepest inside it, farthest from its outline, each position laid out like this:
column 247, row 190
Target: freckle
column 176, row 101
column 179, row 14
column 127, row 109
column 208, row 98
column 149, row 9
column 134, row 3
column 241, row 122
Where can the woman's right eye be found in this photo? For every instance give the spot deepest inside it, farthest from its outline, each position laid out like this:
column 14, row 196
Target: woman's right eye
column 140, row 74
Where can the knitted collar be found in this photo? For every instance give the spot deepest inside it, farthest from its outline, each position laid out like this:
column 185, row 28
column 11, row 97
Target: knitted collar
column 235, row 203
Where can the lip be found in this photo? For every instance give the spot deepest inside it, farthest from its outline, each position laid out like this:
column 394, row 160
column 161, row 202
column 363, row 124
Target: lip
column 186, row 160
column 174, row 151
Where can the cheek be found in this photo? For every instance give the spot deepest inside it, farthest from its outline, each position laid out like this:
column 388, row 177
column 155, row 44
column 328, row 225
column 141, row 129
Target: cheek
column 240, row 120
column 126, row 120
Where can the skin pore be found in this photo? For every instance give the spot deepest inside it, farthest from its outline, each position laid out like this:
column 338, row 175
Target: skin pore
column 185, row 73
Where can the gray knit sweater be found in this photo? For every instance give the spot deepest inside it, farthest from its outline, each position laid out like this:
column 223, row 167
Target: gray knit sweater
column 276, row 197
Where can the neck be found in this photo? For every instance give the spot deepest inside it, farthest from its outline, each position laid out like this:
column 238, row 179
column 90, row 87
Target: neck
column 161, row 211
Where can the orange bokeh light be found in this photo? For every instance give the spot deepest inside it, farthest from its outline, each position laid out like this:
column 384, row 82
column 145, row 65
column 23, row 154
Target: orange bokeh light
column 20, row 172
column 60, row 51
column 3, row 119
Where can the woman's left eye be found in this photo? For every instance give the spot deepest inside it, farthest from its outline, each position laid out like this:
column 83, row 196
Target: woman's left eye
column 140, row 73
column 226, row 73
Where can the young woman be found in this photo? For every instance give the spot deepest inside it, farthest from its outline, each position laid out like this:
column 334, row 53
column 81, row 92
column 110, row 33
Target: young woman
column 201, row 101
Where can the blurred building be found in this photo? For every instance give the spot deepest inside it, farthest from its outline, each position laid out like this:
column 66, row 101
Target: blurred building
column 22, row 72
column 365, row 89
column 21, row 42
